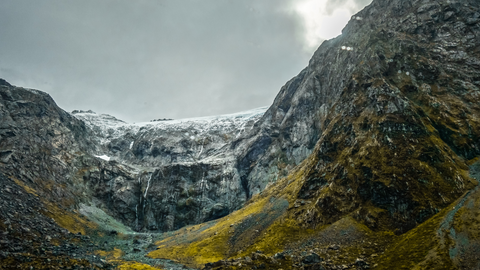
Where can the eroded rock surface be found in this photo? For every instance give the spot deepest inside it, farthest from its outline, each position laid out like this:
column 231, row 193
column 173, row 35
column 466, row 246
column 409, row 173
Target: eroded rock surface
column 172, row 173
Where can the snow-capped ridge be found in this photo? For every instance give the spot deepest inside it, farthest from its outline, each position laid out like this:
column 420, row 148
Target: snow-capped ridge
column 166, row 142
column 105, row 122
column 104, row 157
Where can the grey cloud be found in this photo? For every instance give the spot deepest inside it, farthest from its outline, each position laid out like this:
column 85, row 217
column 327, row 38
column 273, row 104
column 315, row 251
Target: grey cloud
column 148, row 59
column 332, row 5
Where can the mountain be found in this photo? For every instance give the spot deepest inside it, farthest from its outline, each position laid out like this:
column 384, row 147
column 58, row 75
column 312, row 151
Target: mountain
column 394, row 163
column 368, row 158
column 181, row 171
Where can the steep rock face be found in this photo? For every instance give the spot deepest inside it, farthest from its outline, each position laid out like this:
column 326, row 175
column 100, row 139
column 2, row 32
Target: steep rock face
column 396, row 142
column 164, row 198
column 291, row 127
column 174, row 173
column 39, row 141
column 288, row 131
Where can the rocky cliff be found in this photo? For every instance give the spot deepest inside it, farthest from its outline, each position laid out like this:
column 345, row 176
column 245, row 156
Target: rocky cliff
column 406, row 124
column 151, row 176
column 176, row 172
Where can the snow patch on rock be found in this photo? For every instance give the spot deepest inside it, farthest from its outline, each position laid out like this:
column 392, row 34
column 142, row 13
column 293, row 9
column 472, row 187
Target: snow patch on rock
column 104, row 157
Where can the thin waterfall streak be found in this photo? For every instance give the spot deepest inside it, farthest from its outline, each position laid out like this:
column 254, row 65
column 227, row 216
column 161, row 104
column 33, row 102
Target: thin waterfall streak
column 136, row 216
column 201, row 149
column 148, row 186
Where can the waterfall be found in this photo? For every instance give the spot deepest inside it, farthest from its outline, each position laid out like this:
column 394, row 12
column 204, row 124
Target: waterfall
column 143, row 201
column 148, row 186
column 136, row 216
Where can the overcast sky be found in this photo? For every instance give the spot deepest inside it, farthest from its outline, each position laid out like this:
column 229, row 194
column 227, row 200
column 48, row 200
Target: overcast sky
column 147, row 59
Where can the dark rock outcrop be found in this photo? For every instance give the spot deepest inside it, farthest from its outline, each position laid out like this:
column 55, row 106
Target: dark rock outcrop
column 30, row 237
column 396, row 142
column 39, row 142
